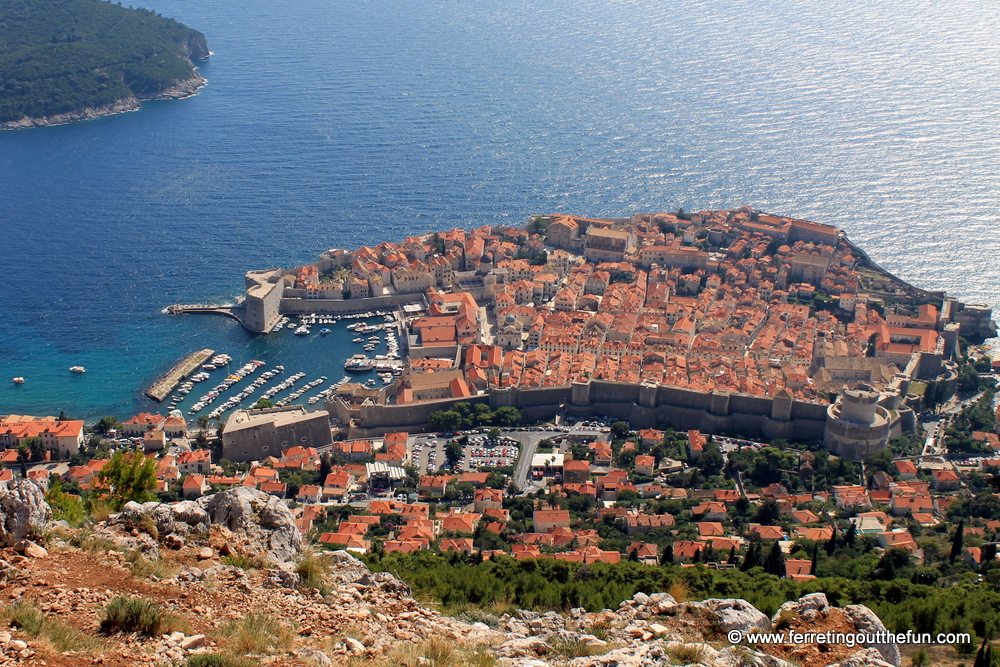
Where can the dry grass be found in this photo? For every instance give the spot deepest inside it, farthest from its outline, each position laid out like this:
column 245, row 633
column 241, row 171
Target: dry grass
column 32, row 622
column 442, row 652
column 679, row 590
column 686, row 654
column 100, row 510
column 257, row 634
column 145, row 568
column 313, row 569
column 220, row 660
column 248, row 563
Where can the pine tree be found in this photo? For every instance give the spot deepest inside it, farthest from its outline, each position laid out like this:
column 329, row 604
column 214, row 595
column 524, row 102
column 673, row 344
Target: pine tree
column 956, row 542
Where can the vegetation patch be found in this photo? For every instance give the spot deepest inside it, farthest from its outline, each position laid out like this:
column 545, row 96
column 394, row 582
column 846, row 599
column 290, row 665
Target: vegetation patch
column 257, row 634
column 32, row 622
column 145, row 617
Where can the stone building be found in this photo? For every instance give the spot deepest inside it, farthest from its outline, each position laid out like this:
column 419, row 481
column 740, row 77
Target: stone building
column 262, row 305
column 255, row 434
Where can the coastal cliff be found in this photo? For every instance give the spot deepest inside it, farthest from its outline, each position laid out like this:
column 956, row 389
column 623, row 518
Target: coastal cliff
column 62, row 62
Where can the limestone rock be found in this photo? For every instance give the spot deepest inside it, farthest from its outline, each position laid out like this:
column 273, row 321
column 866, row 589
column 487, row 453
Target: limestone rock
column 869, row 657
column 521, row 647
column 182, row 519
column 254, row 523
column 346, row 568
column 23, row 510
column 735, row 614
column 743, row 656
column 813, row 602
column 865, row 620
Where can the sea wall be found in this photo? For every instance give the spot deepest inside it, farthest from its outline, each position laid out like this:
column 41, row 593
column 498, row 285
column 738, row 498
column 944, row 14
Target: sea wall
column 297, row 306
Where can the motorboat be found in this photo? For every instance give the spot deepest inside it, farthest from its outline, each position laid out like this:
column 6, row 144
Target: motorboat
column 19, row 380
column 78, row 369
column 324, row 331
column 302, row 331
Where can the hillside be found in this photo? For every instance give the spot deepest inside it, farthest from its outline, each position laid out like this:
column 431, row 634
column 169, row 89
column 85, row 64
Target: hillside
column 66, row 60
column 225, row 581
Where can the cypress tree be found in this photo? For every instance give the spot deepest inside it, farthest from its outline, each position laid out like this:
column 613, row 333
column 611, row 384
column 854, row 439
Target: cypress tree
column 634, row 555
column 749, row 558
column 776, row 561
column 815, row 559
column 732, row 556
column 697, row 556
column 956, row 542
column 831, row 544
column 667, row 558
column 852, row 533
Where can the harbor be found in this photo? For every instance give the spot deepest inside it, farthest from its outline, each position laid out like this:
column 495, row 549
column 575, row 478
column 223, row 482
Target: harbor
column 162, row 387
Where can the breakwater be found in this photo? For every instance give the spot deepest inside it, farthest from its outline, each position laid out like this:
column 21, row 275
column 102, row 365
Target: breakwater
column 162, row 387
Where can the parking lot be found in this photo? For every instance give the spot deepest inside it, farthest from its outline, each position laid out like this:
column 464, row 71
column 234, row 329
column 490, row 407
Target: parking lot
column 427, row 452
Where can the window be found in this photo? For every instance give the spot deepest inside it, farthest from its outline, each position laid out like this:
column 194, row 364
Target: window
column 264, row 448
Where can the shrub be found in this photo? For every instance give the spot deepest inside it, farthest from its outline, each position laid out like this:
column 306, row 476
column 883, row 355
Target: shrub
column 257, row 633
column 245, row 562
column 34, row 623
column 127, row 614
column 143, row 567
column 312, row 570
column 687, row 653
column 220, row 660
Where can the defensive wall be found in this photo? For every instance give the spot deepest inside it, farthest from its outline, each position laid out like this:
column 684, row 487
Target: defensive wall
column 298, row 306
column 642, row 405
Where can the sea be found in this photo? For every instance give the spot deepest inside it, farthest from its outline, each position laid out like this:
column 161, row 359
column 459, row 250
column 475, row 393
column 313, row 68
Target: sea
column 336, row 124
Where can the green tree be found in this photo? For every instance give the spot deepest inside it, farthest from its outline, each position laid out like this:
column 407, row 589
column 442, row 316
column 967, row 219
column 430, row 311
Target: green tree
column 667, row 557
column 36, row 449
column 445, row 420
column 453, row 452
column 129, row 475
column 710, row 462
column 105, row 425
column 768, row 513
column 65, row 507
column 263, row 404
column 621, row 429
column 507, row 416
column 957, row 542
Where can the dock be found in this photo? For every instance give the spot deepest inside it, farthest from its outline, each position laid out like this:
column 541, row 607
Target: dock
column 162, row 388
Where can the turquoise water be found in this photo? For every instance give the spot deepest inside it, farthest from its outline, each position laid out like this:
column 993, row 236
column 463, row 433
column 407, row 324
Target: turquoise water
column 332, row 124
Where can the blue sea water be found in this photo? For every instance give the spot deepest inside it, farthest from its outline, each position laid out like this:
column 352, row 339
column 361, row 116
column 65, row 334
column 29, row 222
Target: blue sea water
column 333, row 124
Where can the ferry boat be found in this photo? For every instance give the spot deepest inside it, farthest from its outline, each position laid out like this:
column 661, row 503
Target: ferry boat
column 78, row 369
column 19, row 380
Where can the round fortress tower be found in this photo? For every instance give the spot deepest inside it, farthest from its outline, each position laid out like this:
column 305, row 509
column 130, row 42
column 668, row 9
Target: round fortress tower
column 856, row 425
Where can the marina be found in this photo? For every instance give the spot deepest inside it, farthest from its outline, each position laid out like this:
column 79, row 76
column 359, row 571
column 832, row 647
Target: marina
column 162, row 388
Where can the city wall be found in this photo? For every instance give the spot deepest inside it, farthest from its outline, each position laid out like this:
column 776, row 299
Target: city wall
column 297, row 306
column 642, row 405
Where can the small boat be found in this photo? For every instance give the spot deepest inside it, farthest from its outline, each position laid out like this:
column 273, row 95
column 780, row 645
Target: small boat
column 19, row 380
column 302, row 331
column 78, row 369
column 324, row 331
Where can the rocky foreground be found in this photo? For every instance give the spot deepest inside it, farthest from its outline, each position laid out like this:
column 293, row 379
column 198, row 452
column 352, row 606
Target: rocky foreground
column 327, row 608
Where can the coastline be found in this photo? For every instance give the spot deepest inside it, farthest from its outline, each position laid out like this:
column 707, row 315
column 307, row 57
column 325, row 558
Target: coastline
column 178, row 91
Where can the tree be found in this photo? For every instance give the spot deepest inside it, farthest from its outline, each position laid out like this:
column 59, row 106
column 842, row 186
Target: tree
column 453, row 452
column 62, row 416
column 105, row 425
column 956, row 542
column 445, row 420
column 494, row 434
column 634, row 555
column 129, row 475
column 621, row 429
column 710, row 462
column 507, row 416
column 324, row 467
column 768, row 513
column 851, row 536
column 65, row 507
column 203, row 421
column 775, row 561
column 667, row 557
column 815, row 559
column 36, row 449
column 263, row 404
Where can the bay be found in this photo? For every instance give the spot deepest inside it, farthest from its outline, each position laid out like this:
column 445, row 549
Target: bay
column 336, row 124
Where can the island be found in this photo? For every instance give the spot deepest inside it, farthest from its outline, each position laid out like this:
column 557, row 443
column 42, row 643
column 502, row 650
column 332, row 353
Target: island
column 68, row 60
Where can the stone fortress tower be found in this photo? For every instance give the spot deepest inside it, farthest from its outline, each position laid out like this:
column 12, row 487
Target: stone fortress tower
column 856, row 425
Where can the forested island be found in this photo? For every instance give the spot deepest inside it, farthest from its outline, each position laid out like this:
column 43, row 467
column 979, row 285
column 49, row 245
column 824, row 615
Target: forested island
column 68, row 60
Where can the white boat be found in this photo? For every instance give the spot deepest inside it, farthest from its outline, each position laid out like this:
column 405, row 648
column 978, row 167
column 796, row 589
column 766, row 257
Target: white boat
column 302, row 331
column 324, row 331
column 78, row 369
column 19, row 380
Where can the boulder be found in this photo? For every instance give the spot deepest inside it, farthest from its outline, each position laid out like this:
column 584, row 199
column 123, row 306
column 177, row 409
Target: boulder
column 181, row 519
column 23, row 510
column 813, row 602
column 254, row 523
column 865, row 620
column 346, row 568
column 735, row 614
